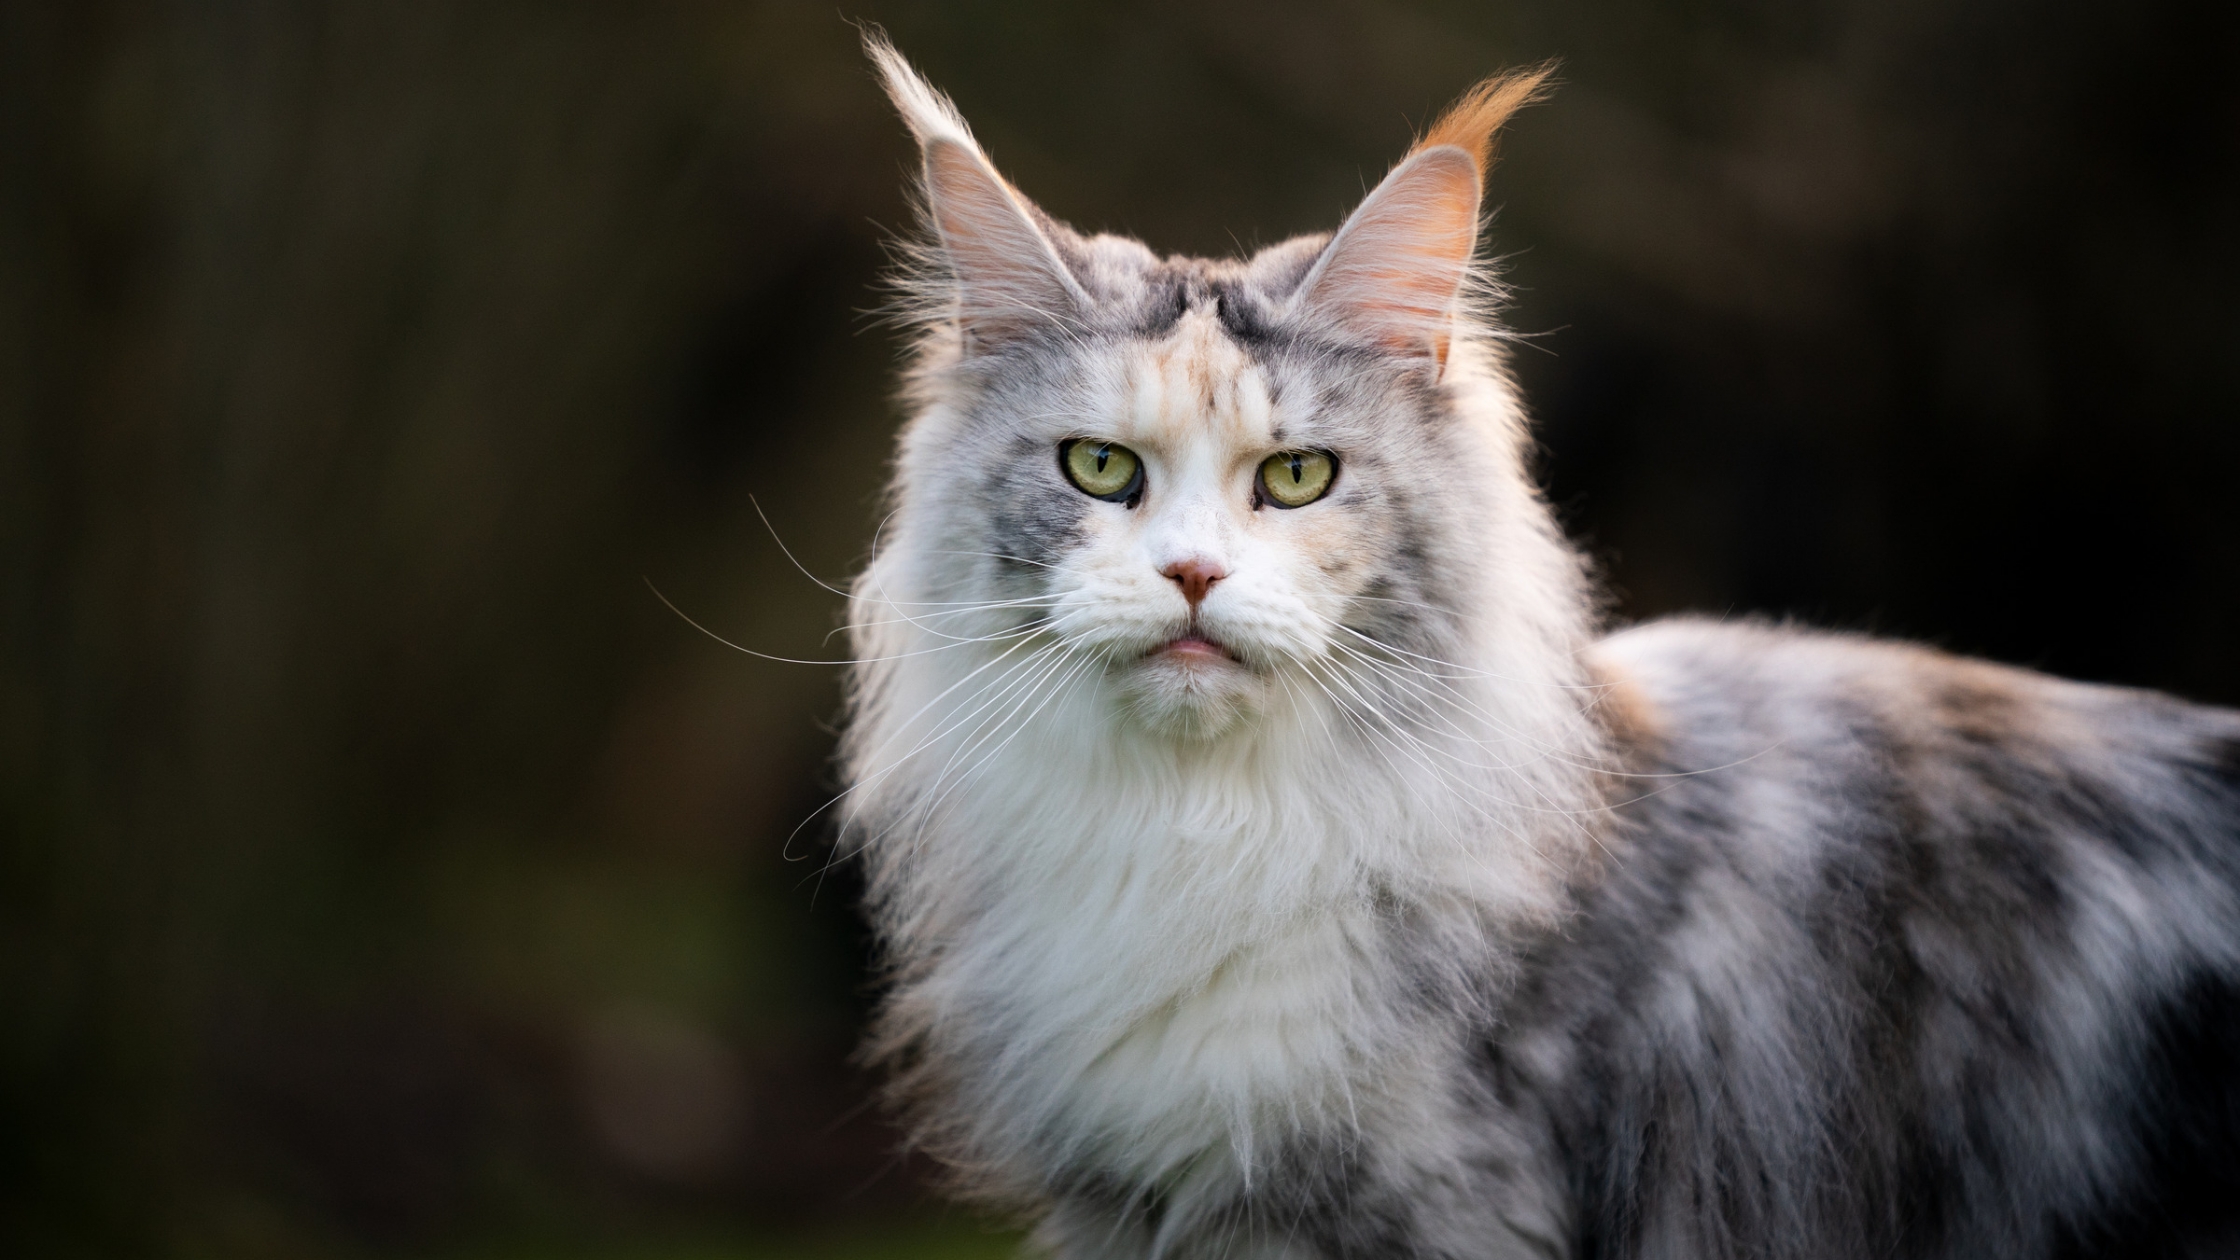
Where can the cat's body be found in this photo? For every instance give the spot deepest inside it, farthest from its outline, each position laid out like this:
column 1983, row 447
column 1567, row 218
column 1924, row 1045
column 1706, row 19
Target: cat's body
column 1287, row 870
column 1942, row 963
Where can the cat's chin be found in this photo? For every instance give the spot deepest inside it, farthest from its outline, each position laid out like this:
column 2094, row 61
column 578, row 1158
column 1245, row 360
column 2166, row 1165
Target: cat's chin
column 1190, row 688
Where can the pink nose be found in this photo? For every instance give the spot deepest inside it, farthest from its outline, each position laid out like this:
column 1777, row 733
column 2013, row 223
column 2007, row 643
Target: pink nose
column 1195, row 577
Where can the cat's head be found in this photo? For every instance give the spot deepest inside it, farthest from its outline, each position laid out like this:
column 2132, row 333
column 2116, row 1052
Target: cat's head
column 1226, row 481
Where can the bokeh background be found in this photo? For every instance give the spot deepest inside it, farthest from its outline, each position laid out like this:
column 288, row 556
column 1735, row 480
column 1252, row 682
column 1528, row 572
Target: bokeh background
column 384, row 871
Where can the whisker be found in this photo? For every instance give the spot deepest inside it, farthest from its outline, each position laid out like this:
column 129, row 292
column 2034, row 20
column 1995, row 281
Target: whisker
column 878, row 576
column 1367, row 721
column 964, row 605
column 793, row 660
column 1076, row 670
column 1400, row 672
column 1022, row 685
column 1467, row 671
column 943, row 634
column 1024, row 689
column 1530, row 783
column 945, row 692
column 1406, row 603
column 904, row 760
column 994, row 555
column 1505, row 767
column 920, row 620
column 788, row 551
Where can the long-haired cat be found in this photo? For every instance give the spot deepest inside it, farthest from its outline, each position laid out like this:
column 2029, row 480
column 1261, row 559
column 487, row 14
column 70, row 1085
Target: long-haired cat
column 1271, row 860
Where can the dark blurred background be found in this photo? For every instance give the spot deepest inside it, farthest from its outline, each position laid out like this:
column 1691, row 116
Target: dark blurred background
column 387, row 872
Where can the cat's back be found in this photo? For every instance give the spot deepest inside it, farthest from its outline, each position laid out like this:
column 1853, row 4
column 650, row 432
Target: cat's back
column 1819, row 734
column 1898, row 953
column 1716, row 686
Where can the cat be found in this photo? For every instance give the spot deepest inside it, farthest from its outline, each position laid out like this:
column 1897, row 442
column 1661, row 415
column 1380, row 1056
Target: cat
column 1272, row 857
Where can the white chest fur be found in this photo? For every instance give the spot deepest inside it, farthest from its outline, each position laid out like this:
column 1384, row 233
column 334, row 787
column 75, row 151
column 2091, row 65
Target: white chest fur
column 1161, row 974
column 1157, row 963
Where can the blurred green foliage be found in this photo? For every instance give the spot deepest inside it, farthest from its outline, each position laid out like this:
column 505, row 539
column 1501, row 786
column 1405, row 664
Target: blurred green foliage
column 385, row 870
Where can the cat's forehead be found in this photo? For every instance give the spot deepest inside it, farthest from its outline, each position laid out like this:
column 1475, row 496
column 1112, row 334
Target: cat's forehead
column 1196, row 356
column 1136, row 291
column 1195, row 384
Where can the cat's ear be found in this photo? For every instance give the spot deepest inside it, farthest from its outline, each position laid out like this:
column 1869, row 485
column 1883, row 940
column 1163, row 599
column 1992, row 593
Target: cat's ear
column 1394, row 273
column 1007, row 276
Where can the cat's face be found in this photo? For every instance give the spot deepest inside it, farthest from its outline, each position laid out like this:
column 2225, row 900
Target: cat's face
column 1229, row 484
column 1207, row 520
column 1199, row 582
column 1226, row 513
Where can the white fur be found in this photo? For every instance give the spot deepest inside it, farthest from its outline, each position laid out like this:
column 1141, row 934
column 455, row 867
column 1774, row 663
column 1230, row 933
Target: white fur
column 1152, row 949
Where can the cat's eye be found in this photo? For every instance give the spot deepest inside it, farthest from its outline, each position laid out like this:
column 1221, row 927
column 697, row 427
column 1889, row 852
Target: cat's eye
column 1106, row 470
column 1292, row 479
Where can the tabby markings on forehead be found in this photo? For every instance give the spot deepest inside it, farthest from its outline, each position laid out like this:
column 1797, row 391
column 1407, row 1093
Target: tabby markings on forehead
column 1181, row 288
column 1198, row 383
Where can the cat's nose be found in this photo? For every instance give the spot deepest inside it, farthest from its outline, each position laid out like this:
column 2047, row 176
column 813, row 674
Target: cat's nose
column 1195, row 576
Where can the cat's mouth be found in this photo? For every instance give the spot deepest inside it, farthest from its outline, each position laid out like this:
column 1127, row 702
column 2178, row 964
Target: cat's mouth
column 1193, row 647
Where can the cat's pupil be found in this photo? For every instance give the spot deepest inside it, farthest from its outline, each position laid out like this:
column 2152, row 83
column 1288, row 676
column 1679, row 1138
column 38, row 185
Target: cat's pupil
column 1296, row 475
column 1103, row 453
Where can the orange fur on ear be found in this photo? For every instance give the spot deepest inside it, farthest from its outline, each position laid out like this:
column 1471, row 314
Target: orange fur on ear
column 1394, row 272
column 1473, row 122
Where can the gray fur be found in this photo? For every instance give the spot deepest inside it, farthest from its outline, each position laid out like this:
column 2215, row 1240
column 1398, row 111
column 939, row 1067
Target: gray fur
column 1696, row 940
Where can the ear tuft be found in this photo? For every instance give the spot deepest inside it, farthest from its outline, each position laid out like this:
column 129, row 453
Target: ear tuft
column 999, row 276
column 1393, row 275
column 1472, row 123
column 930, row 115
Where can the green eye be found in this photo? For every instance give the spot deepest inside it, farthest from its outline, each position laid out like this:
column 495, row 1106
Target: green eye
column 1102, row 469
column 1292, row 479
